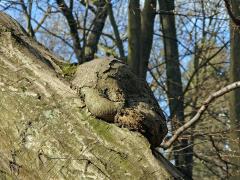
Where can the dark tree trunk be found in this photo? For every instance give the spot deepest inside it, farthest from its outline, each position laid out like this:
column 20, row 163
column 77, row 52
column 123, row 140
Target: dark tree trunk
column 147, row 31
column 119, row 42
column 134, row 35
column 235, row 95
column 174, row 84
column 96, row 31
column 67, row 12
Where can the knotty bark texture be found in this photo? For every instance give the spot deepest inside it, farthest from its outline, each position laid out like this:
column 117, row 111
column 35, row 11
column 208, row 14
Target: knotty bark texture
column 112, row 92
column 47, row 131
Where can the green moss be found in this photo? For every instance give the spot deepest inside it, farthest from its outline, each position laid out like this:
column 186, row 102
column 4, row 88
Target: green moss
column 102, row 129
column 69, row 69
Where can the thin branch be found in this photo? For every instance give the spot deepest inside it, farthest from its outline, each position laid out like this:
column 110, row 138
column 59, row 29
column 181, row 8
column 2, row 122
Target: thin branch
column 229, row 10
column 156, row 80
column 219, row 156
column 53, row 34
column 116, row 31
column 71, row 5
column 40, row 23
column 85, row 3
column 201, row 66
column 28, row 16
column 200, row 112
column 175, row 13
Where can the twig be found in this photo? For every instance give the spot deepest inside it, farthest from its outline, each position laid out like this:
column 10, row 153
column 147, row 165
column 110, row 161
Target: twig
column 200, row 112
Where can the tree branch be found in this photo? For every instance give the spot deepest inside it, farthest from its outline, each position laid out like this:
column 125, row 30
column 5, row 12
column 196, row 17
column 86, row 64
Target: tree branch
column 229, row 10
column 40, row 23
column 28, row 16
column 97, row 28
column 200, row 112
column 67, row 12
column 116, row 31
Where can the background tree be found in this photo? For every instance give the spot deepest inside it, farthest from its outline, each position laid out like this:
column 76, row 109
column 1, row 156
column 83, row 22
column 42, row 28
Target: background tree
column 235, row 96
column 134, row 35
column 174, row 82
column 140, row 35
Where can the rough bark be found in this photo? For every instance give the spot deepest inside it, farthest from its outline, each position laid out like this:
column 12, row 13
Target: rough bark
column 115, row 94
column 174, row 83
column 235, row 95
column 47, row 133
column 134, row 35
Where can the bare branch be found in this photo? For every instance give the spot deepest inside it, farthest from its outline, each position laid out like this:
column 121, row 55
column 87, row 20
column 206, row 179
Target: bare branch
column 200, row 112
column 230, row 12
column 85, row 3
column 97, row 28
column 116, row 32
column 40, row 23
column 28, row 16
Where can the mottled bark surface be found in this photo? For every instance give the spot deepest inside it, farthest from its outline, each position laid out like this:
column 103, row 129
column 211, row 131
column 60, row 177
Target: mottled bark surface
column 47, row 133
column 112, row 92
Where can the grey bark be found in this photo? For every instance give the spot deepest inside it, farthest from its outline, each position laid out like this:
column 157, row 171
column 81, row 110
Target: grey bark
column 115, row 94
column 47, row 133
column 140, row 35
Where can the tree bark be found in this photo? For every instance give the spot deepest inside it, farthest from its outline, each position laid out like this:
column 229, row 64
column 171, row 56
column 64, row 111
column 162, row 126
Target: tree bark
column 96, row 31
column 235, row 95
column 134, row 35
column 119, row 42
column 68, row 14
column 174, row 83
column 147, row 30
column 46, row 133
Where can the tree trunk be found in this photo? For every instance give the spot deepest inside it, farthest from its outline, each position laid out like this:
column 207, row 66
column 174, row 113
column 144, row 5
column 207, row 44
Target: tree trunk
column 119, row 42
column 147, row 31
column 68, row 14
column 28, row 14
column 46, row 133
column 134, row 35
column 174, row 83
column 96, row 30
column 235, row 95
